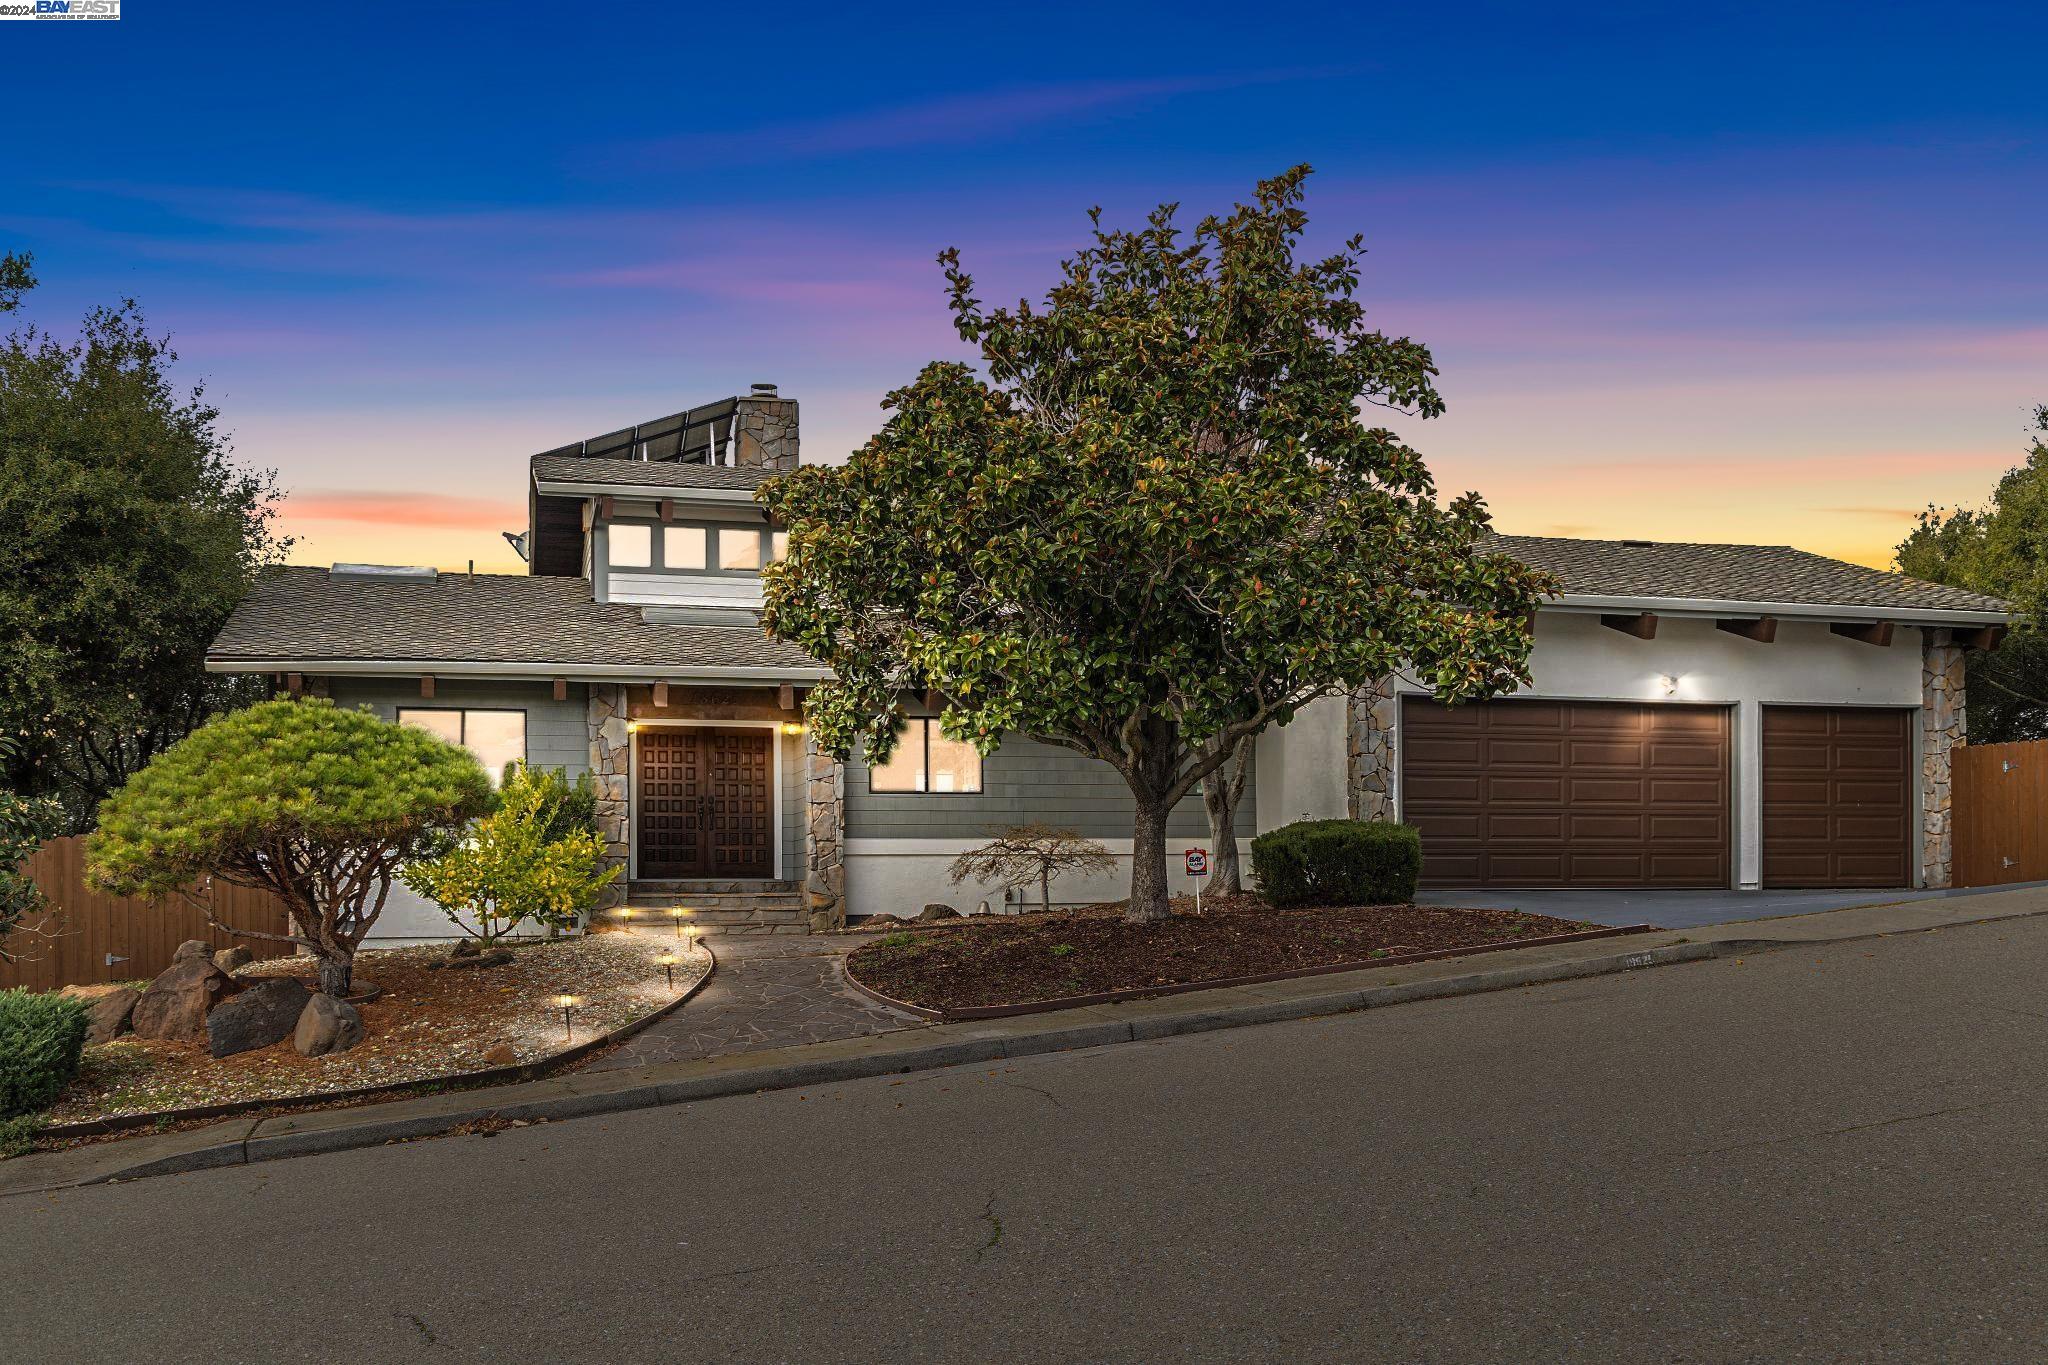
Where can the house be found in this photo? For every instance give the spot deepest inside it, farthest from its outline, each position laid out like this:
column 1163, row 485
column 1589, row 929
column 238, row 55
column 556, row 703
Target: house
column 1701, row 715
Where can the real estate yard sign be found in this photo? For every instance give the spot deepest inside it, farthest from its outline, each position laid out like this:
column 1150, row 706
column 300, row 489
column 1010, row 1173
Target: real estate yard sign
column 1198, row 868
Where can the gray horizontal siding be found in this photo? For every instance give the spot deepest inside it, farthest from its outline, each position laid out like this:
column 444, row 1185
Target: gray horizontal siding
column 556, row 731
column 791, row 748
column 1022, row 782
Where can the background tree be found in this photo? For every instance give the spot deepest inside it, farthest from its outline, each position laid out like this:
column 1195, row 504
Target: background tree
column 2000, row 549
column 1028, row 854
column 17, row 277
column 317, row 804
column 128, row 534
column 25, row 822
column 1156, row 527
column 513, row 866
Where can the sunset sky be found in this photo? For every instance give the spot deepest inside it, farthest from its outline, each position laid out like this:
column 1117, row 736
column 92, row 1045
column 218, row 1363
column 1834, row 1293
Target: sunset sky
column 1705, row 272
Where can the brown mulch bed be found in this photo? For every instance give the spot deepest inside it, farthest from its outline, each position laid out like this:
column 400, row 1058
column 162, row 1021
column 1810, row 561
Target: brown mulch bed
column 426, row 1024
column 991, row 961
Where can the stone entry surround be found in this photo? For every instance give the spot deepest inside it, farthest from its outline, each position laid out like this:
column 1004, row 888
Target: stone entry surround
column 613, row 706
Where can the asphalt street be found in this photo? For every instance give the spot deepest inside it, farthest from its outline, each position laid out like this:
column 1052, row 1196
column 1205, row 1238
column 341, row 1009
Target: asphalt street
column 1821, row 1154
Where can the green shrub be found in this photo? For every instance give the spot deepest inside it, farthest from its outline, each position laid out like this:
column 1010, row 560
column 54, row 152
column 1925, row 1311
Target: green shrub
column 18, row 1135
column 41, row 1039
column 1338, row 862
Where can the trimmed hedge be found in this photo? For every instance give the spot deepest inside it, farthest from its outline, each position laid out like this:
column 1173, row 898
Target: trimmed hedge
column 1338, row 862
column 41, row 1040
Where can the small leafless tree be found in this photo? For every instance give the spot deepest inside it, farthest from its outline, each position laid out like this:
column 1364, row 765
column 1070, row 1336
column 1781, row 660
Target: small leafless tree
column 1024, row 854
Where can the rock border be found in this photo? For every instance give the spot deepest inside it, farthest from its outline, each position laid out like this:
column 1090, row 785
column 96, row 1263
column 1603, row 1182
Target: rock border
column 520, row 1071
column 1215, row 983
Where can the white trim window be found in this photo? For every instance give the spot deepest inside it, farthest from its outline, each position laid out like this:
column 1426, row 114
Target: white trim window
column 925, row 761
column 496, row 737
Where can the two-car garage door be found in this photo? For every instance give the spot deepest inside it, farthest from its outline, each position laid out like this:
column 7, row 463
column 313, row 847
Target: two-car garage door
column 1533, row 793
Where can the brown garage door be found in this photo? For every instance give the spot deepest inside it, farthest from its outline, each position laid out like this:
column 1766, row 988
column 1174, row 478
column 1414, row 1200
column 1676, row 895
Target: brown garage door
column 1837, row 800
column 1540, row 793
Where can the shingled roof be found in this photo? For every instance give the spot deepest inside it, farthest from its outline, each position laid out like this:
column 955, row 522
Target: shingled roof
column 1759, row 574
column 646, row 473
column 311, row 616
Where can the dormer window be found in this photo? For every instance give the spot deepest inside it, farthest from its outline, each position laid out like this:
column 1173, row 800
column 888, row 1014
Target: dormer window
column 682, row 547
column 739, row 551
column 632, row 547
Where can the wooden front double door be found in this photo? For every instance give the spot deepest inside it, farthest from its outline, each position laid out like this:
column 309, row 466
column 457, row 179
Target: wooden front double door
column 705, row 803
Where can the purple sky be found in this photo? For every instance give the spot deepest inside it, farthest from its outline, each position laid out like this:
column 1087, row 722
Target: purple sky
column 1724, row 277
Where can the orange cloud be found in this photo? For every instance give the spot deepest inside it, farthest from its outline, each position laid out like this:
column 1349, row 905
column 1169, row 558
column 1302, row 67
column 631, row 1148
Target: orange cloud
column 439, row 510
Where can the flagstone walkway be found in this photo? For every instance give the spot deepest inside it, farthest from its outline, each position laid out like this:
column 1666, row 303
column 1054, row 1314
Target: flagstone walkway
column 767, row 991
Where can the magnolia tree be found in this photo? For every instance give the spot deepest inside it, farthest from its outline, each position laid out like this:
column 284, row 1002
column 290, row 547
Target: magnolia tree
column 1152, row 525
column 514, row 865
column 1027, row 854
column 318, row 805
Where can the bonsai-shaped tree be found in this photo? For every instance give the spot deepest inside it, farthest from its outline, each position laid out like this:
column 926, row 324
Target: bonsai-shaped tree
column 513, row 866
column 316, row 804
column 1024, row 854
column 1153, row 526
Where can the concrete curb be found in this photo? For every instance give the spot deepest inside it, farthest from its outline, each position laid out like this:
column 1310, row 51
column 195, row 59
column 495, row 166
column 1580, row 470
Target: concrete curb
column 246, row 1140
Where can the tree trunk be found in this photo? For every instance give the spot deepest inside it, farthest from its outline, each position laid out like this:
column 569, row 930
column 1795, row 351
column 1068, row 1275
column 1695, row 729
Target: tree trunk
column 1222, row 791
column 337, row 970
column 1045, row 890
column 1149, row 902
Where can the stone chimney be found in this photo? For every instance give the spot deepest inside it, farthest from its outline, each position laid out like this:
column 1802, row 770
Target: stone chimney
column 764, row 430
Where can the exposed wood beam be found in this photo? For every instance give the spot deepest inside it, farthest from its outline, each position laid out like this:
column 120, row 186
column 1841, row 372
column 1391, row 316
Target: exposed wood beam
column 785, row 697
column 661, row 694
column 427, row 686
column 561, row 689
column 932, row 700
column 604, row 506
column 668, row 510
column 1986, row 638
column 1877, row 633
column 295, row 683
column 1642, row 625
column 1763, row 629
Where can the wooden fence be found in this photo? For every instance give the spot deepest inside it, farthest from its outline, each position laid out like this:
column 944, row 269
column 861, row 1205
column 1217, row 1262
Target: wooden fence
column 2001, row 813
column 137, row 934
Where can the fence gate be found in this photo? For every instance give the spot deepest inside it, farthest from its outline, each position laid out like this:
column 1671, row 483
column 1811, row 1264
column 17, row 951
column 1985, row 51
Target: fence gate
column 2000, row 809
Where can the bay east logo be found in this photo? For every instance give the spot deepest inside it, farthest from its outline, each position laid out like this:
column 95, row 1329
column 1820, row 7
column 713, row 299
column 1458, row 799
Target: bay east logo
column 60, row 9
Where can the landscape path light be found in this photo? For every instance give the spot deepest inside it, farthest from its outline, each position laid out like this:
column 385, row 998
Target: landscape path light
column 568, row 1003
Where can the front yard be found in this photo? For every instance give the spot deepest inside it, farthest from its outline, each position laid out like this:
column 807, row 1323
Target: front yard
column 427, row 1024
column 990, row 962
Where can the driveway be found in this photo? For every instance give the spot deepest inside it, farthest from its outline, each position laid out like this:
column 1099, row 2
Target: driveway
column 1688, row 909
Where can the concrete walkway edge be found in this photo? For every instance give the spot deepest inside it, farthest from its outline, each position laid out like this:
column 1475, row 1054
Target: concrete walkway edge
column 245, row 1140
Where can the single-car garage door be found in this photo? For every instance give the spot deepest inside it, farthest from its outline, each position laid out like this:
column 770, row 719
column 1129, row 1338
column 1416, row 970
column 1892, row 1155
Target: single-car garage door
column 1837, row 797
column 1553, row 793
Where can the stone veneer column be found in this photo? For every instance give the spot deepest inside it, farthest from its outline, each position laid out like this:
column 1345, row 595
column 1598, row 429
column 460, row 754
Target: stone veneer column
column 824, row 838
column 611, row 760
column 1941, row 731
column 1369, row 784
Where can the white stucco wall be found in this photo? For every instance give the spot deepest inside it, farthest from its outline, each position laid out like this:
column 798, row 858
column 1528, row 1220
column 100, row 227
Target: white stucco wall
column 1577, row 657
column 1301, row 766
column 900, row 876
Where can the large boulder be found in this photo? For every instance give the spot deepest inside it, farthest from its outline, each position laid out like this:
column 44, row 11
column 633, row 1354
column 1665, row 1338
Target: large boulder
column 192, row 948
column 107, row 1010
column 232, row 960
column 264, row 1014
column 327, row 1025
column 175, row 1005
column 937, row 910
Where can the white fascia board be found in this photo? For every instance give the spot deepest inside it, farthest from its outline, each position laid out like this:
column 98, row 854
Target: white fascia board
column 1712, row 606
column 652, row 491
column 467, row 668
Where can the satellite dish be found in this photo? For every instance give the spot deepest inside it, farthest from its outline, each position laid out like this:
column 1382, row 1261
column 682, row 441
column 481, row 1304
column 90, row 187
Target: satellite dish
column 517, row 540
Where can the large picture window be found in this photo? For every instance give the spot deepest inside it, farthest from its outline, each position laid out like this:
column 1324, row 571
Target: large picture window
column 926, row 761
column 497, row 738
